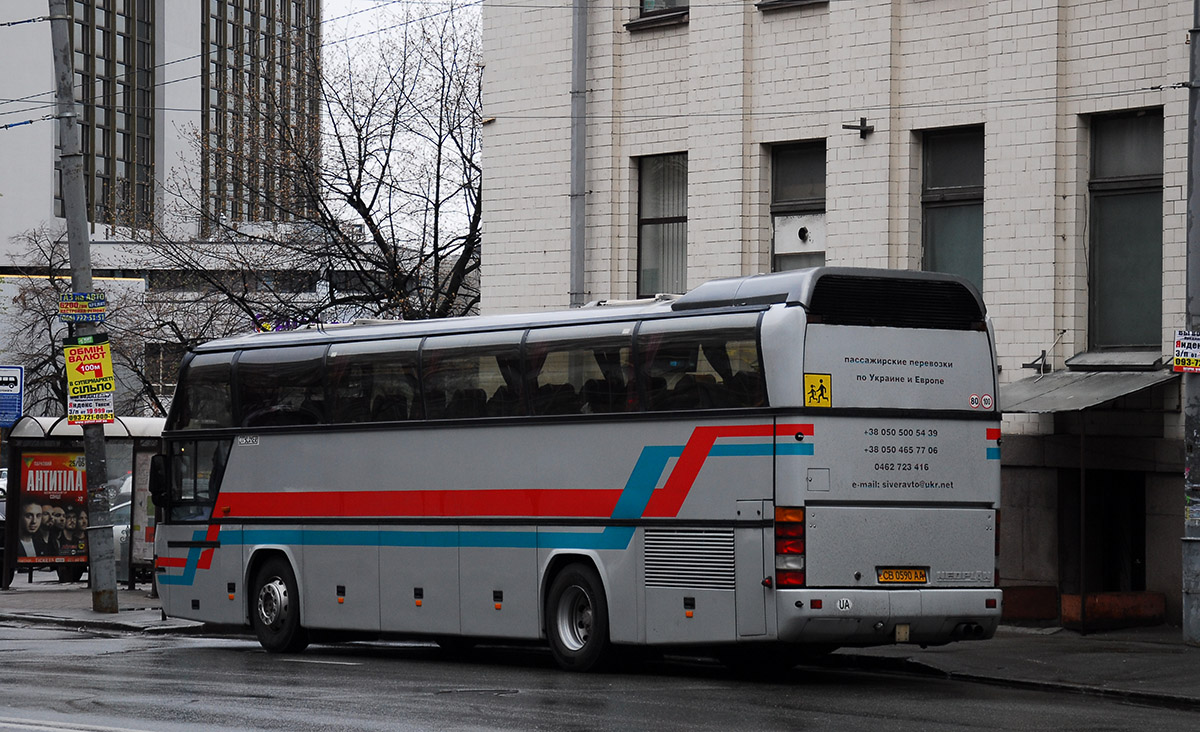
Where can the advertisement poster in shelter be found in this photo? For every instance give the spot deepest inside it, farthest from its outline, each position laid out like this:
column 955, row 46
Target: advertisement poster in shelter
column 52, row 517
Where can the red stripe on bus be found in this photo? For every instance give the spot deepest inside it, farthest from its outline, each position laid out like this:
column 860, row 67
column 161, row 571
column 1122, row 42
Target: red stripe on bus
column 666, row 503
column 171, row 562
column 206, row 556
column 993, row 433
column 423, row 503
column 574, row 503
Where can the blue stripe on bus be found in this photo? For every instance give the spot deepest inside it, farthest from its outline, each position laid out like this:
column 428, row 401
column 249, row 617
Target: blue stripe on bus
column 794, row 448
column 189, row 570
column 646, row 473
column 993, row 453
column 613, row 537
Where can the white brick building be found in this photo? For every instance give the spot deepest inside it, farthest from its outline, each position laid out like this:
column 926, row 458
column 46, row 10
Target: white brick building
column 1026, row 144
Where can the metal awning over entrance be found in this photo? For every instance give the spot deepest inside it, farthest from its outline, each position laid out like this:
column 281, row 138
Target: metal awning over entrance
column 1073, row 391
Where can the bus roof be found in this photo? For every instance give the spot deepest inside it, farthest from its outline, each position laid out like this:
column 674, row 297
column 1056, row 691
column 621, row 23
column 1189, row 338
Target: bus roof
column 815, row 288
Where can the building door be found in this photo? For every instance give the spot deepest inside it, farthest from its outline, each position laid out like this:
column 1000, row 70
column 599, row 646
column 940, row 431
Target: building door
column 1113, row 551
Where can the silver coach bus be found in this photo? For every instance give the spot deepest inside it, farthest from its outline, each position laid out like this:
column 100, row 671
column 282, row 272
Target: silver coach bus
column 764, row 467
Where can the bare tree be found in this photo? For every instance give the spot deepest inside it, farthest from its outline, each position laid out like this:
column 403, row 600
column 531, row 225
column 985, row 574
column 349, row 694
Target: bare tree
column 367, row 205
column 385, row 221
column 148, row 331
column 35, row 331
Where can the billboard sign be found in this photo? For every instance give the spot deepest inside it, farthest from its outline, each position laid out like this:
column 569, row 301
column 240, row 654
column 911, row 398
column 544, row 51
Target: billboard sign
column 82, row 307
column 52, row 516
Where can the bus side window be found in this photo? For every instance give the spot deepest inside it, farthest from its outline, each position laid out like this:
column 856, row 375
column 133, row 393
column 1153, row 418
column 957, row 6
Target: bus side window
column 204, row 400
column 707, row 362
column 197, row 469
column 281, row 386
column 472, row 376
column 373, row 381
column 581, row 369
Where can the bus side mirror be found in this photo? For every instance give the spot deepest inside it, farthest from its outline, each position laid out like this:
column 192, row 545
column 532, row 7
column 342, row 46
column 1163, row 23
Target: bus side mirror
column 158, row 479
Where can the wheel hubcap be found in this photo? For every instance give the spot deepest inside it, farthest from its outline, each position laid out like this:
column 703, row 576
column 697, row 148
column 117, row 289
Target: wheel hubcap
column 273, row 603
column 574, row 619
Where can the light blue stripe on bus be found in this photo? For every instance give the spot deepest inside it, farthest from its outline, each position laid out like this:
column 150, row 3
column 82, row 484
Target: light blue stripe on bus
column 193, row 562
column 993, row 453
column 646, row 473
column 764, row 450
column 613, row 537
column 794, row 448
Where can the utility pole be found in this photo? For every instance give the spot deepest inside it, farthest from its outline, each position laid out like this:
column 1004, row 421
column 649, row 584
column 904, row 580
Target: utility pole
column 1191, row 381
column 102, row 569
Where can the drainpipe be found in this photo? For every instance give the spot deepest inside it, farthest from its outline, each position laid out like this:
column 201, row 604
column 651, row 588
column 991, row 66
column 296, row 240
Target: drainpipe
column 579, row 44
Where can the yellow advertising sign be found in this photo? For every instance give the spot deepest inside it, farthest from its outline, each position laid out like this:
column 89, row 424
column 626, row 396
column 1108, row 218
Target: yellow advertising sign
column 89, row 366
column 818, row 390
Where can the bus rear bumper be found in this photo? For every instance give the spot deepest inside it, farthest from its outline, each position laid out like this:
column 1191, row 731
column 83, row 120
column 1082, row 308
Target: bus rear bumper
column 878, row 616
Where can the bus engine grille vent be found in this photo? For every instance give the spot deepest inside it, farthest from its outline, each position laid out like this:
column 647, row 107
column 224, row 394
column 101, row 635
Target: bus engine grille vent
column 701, row 560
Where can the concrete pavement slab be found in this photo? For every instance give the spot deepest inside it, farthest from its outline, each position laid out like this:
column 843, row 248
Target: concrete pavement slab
column 1148, row 664
column 45, row 600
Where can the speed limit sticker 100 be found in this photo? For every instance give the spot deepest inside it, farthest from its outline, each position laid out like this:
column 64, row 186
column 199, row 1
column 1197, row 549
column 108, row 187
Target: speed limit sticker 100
column 981, row 402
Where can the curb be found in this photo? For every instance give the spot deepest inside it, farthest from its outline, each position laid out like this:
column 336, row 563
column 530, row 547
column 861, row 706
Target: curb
column 917, row 668
column 164, row 627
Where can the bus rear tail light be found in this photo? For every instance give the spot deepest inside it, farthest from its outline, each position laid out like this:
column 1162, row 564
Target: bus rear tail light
column 789, row 547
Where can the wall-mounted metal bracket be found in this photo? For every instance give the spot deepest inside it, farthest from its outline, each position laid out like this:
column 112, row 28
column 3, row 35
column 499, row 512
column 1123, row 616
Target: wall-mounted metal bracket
column 862, row 127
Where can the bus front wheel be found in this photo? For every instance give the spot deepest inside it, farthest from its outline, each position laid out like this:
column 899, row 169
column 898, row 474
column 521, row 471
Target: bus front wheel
column 577, row 619
column 276, row 612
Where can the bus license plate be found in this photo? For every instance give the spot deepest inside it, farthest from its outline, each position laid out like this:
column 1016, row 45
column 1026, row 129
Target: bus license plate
column 898, row 575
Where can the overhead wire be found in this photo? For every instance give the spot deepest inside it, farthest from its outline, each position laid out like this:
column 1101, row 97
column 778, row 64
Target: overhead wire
column 451, row 7
column 541, row 5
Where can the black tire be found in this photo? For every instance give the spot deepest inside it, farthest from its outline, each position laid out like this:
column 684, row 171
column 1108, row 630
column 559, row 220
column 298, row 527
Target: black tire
column 275, row 608
column 577, row 619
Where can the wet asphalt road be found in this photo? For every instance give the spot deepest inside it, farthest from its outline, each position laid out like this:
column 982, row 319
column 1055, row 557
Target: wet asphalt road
column 67, row 680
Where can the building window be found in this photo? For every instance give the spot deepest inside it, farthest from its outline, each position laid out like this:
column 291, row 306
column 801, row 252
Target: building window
column 952, row 203
column 1125, row 267
column 662, row 224
column 114, row 86
column 260, row 84
column 650, row 7
column 798, row 205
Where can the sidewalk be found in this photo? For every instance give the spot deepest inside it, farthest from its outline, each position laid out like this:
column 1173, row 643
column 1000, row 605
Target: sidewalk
column 46, row 601
column 1147, row 665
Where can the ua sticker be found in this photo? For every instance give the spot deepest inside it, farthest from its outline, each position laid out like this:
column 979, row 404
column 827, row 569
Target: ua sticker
column 818, row 390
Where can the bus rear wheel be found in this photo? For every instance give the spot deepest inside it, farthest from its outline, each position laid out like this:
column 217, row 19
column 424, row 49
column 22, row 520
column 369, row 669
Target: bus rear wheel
column 275, row 614
column 577, row 619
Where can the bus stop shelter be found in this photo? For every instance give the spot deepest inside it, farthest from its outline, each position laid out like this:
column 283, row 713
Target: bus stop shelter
column 46, row 503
